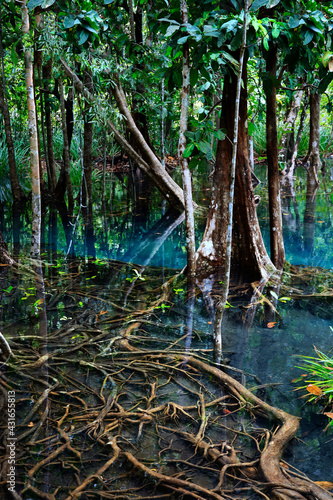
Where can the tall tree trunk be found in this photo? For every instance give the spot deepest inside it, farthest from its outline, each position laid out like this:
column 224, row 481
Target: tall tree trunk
column 66, row 153
column 250, row 261
column 87, row 168
column 312, row 162
column 33, row 139
column 186, row 174
column 288, row 137
column 275, row 217
column 47, row 74
column 17, row 191
column 225, row 275
column 291, row 166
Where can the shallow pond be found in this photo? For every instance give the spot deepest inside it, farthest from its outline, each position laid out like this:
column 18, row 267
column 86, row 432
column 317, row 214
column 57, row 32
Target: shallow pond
column 85, row 292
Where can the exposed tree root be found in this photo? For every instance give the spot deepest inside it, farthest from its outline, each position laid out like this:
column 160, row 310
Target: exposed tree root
column 177, row 425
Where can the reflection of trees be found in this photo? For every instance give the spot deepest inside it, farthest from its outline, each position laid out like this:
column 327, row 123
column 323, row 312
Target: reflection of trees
column 309, row 216
column 288, row 201
column 150, row 243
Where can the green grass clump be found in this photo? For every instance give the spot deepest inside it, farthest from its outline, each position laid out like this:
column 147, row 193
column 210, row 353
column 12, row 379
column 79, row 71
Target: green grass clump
column 320, row 387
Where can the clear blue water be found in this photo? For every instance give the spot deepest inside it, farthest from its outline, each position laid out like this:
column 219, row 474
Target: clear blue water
column 158, row 239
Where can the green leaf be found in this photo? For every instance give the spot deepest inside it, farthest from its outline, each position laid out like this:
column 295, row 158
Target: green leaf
column 284, row 299
column 182, row 40
column 308, row 37
column 218, row 134
column 89, row 28
column 70, row 21
column 84, row 35
column 237, row 40
column 230, row 25
column 204, row 147
column 258, row 3
column 205, row 73
column 265, row 43
column 251, row 128
column 13, row 55
column 275, row 32
column 231, row 59
column 211, row 31
column 188, row 150
column 171, row 30
column 295, row 21
column 325, row 83
column 169, row 21
column 47, row 3
column 32, row 4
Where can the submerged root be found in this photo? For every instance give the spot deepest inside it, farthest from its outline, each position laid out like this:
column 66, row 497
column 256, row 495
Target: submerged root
column 113, row 413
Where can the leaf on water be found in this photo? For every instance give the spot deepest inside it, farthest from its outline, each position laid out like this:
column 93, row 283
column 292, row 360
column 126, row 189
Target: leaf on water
column 314, row 389
column 271, row 324
column 329, row 414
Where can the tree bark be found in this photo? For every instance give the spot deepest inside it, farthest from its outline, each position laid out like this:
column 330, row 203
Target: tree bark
column 5, row 258
column 312, row 162
column 66, row 152
column 33, row 139
column 275, row 217
column 288, row 137
column 87, row 169
column 291, row 165
column 17, row 191
column 250, row 261
column 186, row 174
column 52, row 174
column 225, row 275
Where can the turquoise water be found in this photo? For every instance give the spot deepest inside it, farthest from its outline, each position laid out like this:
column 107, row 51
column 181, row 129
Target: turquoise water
column 156, row 238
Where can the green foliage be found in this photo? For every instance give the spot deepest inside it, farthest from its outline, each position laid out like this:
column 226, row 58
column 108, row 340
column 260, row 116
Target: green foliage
column 319, row 386
column 21, row 151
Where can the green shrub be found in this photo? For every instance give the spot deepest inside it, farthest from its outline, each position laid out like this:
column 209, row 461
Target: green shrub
column 319, row 387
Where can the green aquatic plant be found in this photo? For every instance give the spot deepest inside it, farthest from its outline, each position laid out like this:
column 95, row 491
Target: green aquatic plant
column 319, row 387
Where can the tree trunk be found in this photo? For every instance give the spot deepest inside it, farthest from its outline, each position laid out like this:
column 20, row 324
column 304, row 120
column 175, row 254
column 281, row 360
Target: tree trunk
column 52, row 174
column 17, row 191
column 225, row 275
column 87, row 168
column 250, row 261
column 288, row 137
column 313, row 163
column 275, row 218
column 33, row 139
column 66, row 152
column 291, row 165
column 186, row 174
column 5, row 258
